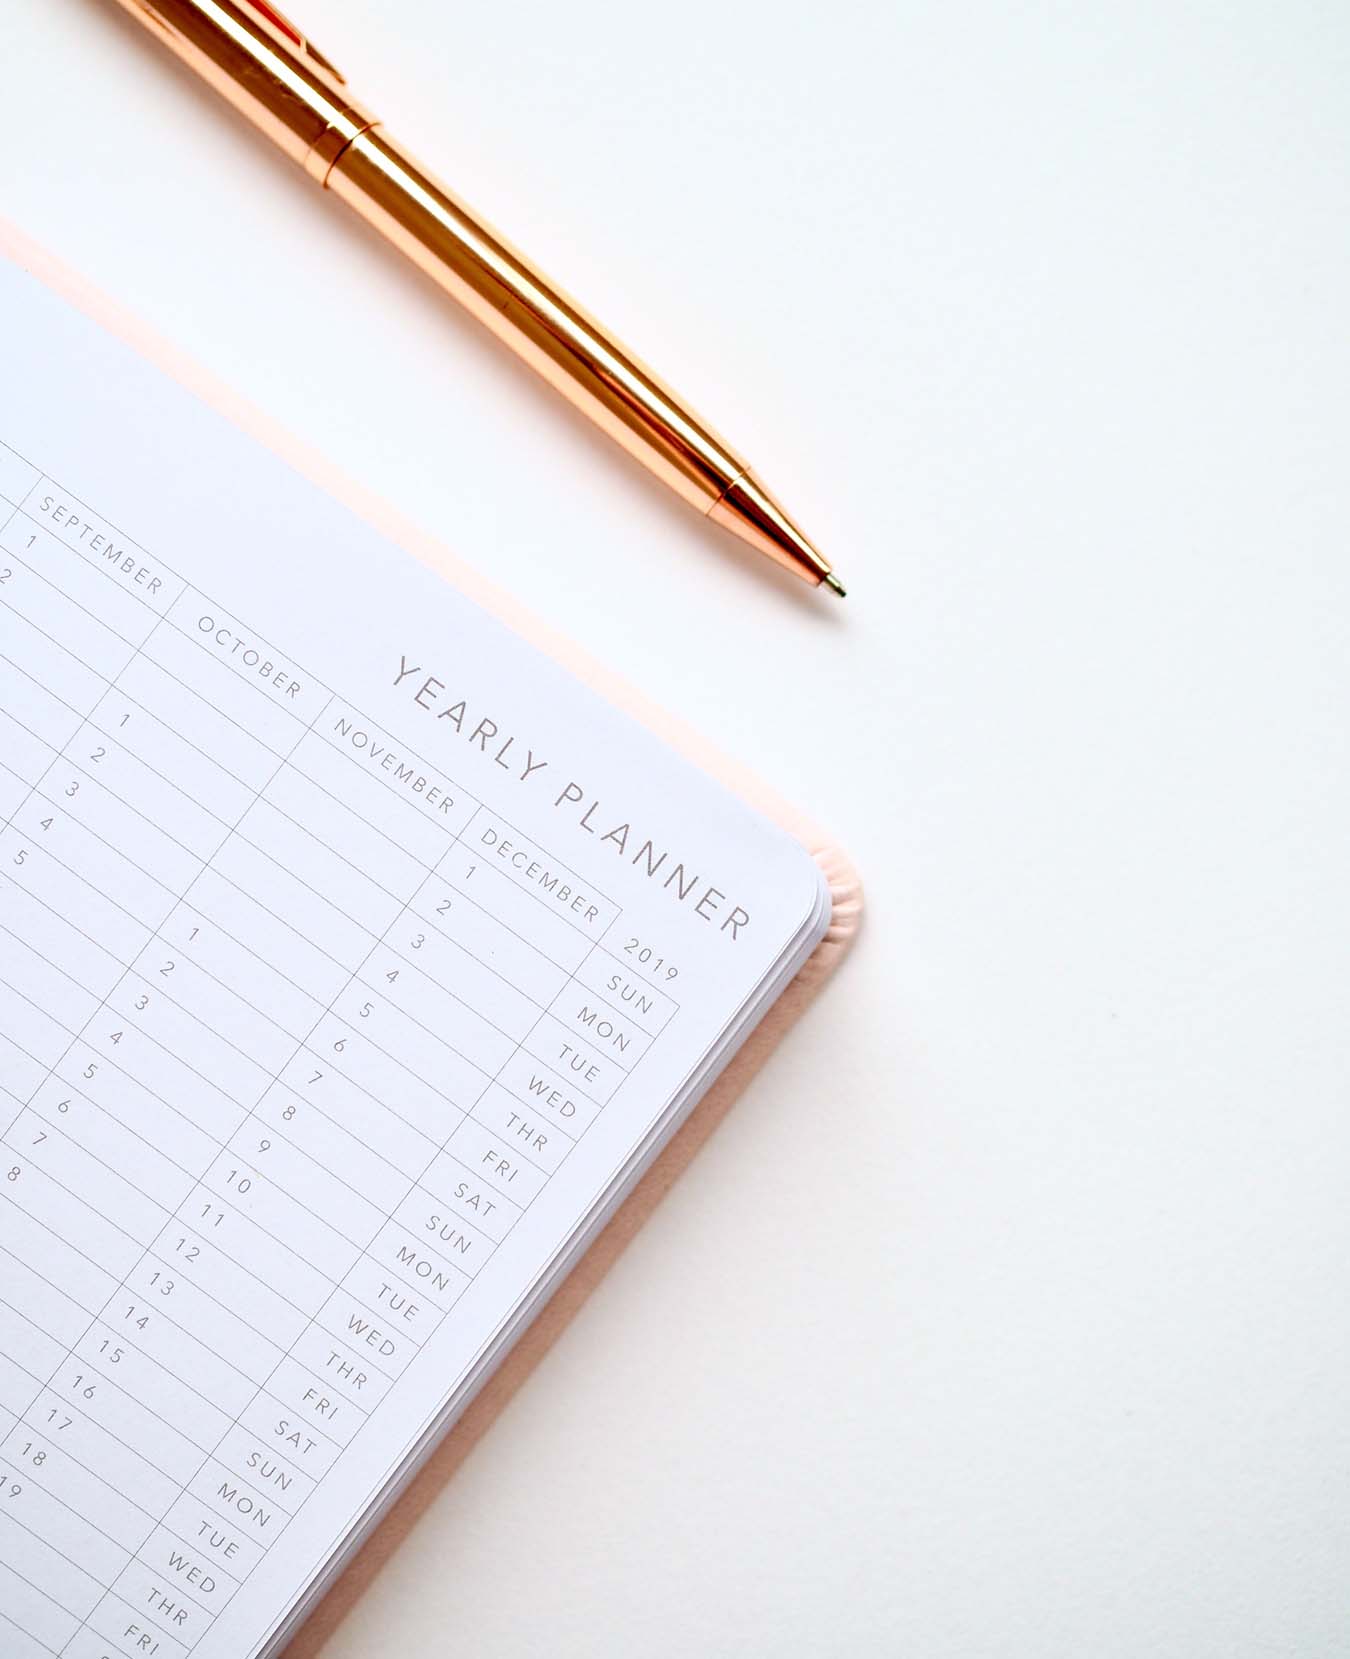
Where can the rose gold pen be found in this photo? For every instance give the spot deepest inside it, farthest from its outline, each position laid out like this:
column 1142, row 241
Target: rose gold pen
column 269, row 71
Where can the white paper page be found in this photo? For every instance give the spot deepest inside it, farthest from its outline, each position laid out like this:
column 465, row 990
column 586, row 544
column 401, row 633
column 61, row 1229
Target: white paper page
column 348, row 948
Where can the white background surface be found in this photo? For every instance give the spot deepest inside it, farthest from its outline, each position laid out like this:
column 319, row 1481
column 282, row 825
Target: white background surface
column 1007, row 1316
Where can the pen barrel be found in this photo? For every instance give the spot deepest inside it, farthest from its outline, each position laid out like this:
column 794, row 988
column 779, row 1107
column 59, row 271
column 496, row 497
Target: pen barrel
column 296, row 100
column 271, row 74
column 505, row 292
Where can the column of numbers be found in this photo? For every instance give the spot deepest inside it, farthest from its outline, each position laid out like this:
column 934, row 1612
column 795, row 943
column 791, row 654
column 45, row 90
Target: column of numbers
column 304, row 1043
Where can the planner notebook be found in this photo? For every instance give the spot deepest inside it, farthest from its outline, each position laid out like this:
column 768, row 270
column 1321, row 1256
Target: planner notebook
column 356, row 960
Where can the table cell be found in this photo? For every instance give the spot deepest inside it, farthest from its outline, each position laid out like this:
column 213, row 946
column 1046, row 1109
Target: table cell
column 199, row 1315
column 535, row 1136
column 431, row 1110
column 502, row 1167
column 546, row 1092
column 367, row 1120
column 45, row 1568
column 274, row 1209
column 266, row 1469
column 143, row 1325
column 274, row 1425
column 412, row 781
column 177, row 1399
column 130, row 1633
column 48, row 987
column 26, row 1499
column 380, row 1344
column 455, row 1065
column 30, row 1241
column 26, row 1347
column 224, row 1224
column 20, row 1073
column 469, row 1197
column 346, row 778
column 246, row 702
column 305, row 853
column 337, row 817
column 292, row 697
column 42, row 1303
column 611, row 1033
column 84, row 635
column 36, row 1456
column 462, row 874
column 82, row 931
column 163, row 1604
column 314, row 1405
column 151, row 1002
column 585, row 1067
column 418, row 1247
column 339, row 1204
column 105, row 1084
column 85, row 1177
column 491, row 971
column 271, row 1310
column 341, row 1368
column 121, row 562
column 258, row 1516
column 146, row 791
column 98, row 1451
column 171, row 753
column 557, row 889
column 18, row 1644
column 35, row 1614
column 71, row 785
column 14, row 790
column 191, row 1569
column 31, row 1030
column 332, row 1148
column 25, row 753
column 307, row 916
column 112, row 1039
column 47, row 1202
column 43, row 684
column 402, row 980
column 18, row 1383
column 390, row 1300
column 221, row 1543
column 103, row 1137
column 173, row 1454
column 78, row 580
column 237, row 986
column 195, row 720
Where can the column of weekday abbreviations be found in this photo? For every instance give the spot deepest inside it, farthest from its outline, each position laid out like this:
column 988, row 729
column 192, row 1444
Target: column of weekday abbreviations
column 563, row 1003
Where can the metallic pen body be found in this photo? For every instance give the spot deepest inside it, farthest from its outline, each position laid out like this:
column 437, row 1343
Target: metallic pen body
column 253, row 57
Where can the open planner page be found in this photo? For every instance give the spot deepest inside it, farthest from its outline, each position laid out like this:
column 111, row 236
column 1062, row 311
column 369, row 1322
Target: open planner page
column 353, row 959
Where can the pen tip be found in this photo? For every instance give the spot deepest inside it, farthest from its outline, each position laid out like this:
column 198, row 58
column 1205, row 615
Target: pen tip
column 832, row 582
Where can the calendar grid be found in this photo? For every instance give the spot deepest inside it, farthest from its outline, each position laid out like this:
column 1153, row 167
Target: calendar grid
column 298, row 1043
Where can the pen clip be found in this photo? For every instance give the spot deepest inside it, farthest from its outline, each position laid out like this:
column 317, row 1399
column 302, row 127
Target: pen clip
column 284, row 26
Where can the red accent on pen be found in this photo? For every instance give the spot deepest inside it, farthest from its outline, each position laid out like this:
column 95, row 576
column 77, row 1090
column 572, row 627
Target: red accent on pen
column 284, row 26
column 277, row 21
